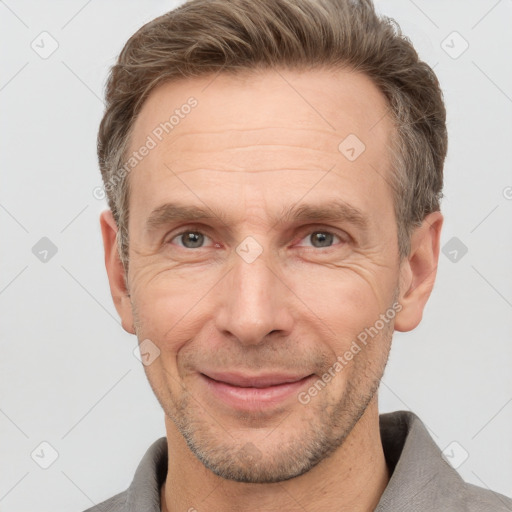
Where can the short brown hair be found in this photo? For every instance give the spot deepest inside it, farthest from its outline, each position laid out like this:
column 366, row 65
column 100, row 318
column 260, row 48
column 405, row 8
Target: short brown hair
column 208, row 36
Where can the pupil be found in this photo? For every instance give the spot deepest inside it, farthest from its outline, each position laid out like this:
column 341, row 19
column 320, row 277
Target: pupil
column 323, row 239
column 192, row 240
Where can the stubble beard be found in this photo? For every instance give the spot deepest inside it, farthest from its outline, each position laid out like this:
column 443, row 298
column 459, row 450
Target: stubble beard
column 323, row 428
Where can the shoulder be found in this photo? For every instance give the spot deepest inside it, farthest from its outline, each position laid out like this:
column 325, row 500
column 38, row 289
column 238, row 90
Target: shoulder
column 422, row 477
column 116, row 503
column 143, row 494
column 478, row 499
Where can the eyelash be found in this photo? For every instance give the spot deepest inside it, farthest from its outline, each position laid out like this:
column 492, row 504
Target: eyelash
column 187, row 230
column 309, row 231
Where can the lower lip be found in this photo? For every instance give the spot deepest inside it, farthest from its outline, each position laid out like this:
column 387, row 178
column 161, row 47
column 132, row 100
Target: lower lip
column 254, row 398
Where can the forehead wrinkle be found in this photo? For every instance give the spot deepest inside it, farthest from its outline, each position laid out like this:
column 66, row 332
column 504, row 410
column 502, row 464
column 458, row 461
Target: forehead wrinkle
column 257, row 146
column 181, row 131
column 252, row 170
column 227, row 156
column 317, row 139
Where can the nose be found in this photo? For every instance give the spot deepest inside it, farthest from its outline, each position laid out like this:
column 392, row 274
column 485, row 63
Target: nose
column 253, row 302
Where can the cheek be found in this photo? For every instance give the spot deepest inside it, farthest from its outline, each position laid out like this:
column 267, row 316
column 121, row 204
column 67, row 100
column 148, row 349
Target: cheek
column 343, row 299
column 167, row 304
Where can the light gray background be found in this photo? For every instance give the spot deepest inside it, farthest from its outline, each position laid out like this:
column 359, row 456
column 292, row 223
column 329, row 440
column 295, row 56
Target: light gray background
column 68, row 373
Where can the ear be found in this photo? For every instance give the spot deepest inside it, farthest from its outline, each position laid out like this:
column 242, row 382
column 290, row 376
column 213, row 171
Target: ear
column 115, row 271
column 418, row 272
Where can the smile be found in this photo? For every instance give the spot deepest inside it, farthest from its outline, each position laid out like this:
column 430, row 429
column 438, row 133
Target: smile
column 253, row 393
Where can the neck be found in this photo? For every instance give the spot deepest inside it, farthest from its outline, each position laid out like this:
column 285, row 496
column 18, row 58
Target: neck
column 352, row 478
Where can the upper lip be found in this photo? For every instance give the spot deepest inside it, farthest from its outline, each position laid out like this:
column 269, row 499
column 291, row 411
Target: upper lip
column 254, row 381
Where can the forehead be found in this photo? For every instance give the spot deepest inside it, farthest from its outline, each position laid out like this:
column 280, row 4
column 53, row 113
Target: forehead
column 256, row 128
column 335, row 102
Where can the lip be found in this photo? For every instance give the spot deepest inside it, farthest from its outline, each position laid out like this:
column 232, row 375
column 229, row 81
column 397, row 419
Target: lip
column 254, row 392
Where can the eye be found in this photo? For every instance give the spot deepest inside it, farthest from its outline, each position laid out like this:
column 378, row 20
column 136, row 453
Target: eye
column 321, row 239
column 190, row 239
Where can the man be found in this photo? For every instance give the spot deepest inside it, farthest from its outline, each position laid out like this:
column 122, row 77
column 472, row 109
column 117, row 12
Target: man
column 274, row 171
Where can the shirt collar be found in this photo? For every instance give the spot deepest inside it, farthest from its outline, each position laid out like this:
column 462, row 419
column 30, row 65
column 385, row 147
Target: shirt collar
column 420, row 475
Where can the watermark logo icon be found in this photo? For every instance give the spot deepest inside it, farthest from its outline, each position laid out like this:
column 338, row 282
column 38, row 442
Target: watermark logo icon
column 44, row 45
column 249, row 249
column 44, row 455
column 146, row 352
column 44, row 250
column 249, row 453
column 98, row 193
column 455, row 454
column 351, row 147
column 454, row 249
column 454, row 45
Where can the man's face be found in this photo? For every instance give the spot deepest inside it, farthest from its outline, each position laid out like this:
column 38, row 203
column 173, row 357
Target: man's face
column 296, row 256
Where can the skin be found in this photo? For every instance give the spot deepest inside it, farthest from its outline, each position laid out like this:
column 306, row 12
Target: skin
column 256, row 144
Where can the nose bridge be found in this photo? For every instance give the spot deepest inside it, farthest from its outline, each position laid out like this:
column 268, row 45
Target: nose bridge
column 252, row 301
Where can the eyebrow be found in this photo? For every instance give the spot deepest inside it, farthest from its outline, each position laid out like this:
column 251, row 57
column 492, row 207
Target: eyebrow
column 170, row 212
column 330, row 211
column 333, row 211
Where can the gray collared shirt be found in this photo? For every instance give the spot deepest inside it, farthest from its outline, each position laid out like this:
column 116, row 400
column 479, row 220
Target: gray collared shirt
column 421, row 480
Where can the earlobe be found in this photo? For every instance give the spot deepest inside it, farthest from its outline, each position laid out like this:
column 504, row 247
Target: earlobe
column 418, row 272
column 116, row 271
